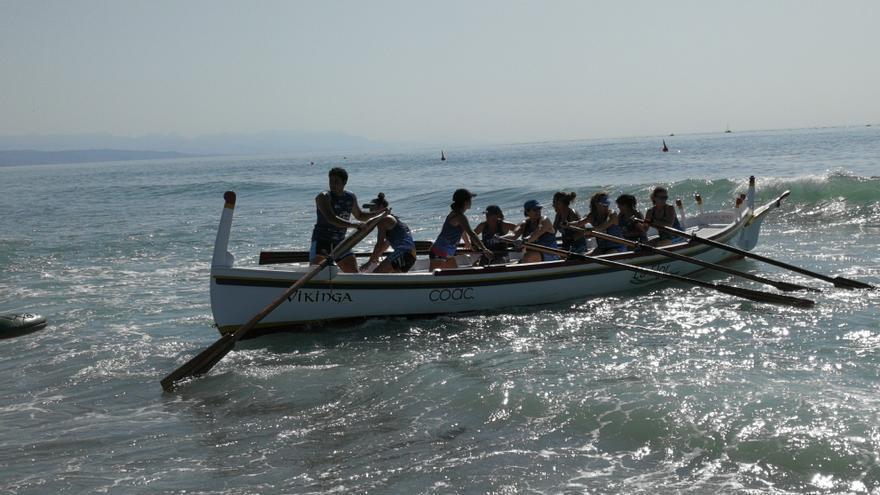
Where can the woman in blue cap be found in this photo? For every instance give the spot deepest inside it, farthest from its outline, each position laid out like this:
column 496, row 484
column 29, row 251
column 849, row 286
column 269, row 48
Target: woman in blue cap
column 442, row 253
column 535, row 228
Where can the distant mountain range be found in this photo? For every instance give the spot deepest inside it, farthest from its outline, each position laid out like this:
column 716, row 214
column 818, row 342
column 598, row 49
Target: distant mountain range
column 267, row 142
column 33, row 157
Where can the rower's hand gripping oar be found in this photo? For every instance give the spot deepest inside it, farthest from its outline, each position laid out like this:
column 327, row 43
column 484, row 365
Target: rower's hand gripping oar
column 784, row 286
column 206, row 359
column 753, row 295
column 842, row 282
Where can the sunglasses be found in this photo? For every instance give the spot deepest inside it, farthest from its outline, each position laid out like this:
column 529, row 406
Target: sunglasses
column 662, row 197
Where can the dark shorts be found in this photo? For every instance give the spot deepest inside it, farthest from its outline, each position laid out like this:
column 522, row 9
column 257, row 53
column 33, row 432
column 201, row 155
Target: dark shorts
column 402, row 261
column 323, row 247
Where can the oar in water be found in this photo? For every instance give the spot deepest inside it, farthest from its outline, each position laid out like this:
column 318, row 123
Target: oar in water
column 206, row 359
column 785, row 286
column 837, row 281
column 753, row 295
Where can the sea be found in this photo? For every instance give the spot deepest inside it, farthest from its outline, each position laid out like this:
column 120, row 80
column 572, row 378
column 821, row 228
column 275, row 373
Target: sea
column 668, row 389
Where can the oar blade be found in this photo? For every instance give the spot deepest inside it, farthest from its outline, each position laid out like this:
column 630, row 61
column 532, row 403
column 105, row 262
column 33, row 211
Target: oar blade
column 848, row 283
column 765, row 297
column 201, row 363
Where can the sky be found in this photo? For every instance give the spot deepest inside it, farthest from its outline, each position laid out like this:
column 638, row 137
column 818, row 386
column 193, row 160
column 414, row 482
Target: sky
column 454, row 72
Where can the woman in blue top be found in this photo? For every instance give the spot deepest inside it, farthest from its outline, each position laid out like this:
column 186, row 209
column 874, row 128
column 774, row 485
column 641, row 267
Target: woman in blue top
column 536, row 228
column 489, row 230
column 572, row 240
column 456, row 225
column 335, row 207
column 393, row 233
column 603, row 219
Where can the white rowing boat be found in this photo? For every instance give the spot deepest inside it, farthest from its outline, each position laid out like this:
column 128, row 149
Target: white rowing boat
column 237, row 293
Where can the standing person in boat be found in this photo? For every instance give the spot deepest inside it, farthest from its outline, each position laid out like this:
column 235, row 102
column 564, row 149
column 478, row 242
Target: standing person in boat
column 572, row 240
column 456, row 225
column 335, row 207
column 489, row 230
column 663, row 214
column 627, row 216
column 393, row 233
column 603, row 219
column 535, row 228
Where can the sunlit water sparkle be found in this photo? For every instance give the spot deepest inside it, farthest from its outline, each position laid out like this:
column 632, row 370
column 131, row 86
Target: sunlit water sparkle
column 667, row 389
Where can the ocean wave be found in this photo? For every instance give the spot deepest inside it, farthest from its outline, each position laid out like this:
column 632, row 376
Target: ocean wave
column 834, row 186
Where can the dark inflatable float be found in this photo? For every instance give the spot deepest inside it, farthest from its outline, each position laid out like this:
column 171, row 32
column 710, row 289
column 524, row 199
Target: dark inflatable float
column 15, row 325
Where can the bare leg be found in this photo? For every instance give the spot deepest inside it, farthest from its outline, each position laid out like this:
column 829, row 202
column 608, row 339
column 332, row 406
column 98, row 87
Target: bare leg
column 531, row 257
column 443, row 263
column 385, row 267
column 347, row 265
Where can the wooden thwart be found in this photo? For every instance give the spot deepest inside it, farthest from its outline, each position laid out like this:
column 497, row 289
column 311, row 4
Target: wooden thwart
column 206, row 359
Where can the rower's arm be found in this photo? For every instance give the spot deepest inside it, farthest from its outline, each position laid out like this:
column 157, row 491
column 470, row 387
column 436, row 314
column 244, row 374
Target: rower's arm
column 322, row 202
column 612, row 220
column 582, row 222
column 545, row 227
column 360, row 214
column 381, row 242
column 475, row 239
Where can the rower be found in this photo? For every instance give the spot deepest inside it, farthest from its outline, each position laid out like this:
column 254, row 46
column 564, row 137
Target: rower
column 627, row 216
column 603, row 219
column 572, row 240
column 663, row 214
column 335, row 207
column 456, row 225
column 393, row 233
column 536, row 228
column 489, row 230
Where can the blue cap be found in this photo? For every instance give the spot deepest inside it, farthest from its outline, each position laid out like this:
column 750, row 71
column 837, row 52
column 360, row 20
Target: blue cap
column 532, row 204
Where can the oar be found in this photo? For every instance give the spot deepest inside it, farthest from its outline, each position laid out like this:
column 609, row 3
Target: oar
column 206, row 359
column 837, row 281
column 753, row 295
column 785, row 286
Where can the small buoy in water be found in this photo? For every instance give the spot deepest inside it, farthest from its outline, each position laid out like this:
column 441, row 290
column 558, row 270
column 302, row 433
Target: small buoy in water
column 12, row 325
column 664, row 148
column 442, row 156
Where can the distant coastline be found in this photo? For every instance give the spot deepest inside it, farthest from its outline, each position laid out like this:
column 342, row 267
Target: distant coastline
column 10, row 158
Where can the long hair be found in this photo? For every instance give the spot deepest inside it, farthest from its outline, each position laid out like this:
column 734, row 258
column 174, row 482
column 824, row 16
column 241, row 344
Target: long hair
column 564, row 197
column 594, row 204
